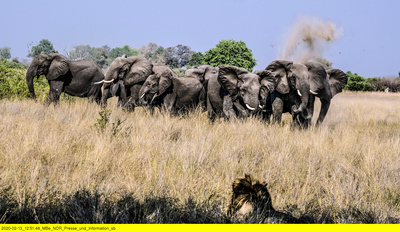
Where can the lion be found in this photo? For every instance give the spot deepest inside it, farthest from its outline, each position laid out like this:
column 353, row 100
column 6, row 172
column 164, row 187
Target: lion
column 251, row 201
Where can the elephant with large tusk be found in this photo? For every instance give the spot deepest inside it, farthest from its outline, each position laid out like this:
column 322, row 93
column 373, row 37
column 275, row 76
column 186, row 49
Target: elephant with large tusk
column 231, row 91
column 124, row 79
column 81, row 78
column 296, row 86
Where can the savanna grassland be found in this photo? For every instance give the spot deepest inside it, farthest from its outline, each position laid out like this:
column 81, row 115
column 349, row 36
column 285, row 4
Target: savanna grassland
column 58, row 166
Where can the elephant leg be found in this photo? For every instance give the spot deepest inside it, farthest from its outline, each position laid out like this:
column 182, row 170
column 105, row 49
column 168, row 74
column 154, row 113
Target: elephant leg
column 129, row 105
column 305, row 118
column 122, row 95
column 120, row 102
column 302, row 122
column 266, row 116
column 210, row 110
column 95, row 94
column 202, row 100
column 168, row 103
column 277, row 109
column 241, row 111
column 325, row 103
column 106, row 93
column 56, row 88
column 228, row 108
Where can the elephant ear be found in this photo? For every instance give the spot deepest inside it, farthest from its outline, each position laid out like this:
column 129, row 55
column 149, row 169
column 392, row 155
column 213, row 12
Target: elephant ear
column 228, row 77
column 281, row 70
column 209, row 72
column 267, row 80
column 337, row 79
column 58, row 67
column 165, row 82
column 139, row 70
column 317, row 77
column 196, row 72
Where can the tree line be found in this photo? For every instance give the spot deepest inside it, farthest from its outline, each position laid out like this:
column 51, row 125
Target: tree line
column 180, row 57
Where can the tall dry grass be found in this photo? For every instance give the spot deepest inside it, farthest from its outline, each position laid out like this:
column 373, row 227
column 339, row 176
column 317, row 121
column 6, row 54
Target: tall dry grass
column 162, row 168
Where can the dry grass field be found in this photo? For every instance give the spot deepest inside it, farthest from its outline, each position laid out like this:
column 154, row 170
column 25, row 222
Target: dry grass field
column 57, row 167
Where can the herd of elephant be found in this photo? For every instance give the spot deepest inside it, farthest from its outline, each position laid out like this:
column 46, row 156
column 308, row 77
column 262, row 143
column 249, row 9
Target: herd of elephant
column 224, row 91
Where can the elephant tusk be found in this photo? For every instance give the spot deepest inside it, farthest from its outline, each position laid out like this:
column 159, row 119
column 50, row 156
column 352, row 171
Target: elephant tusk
column 142, row 95
column 109, row 81
column 261, row 107
column 103, row 81
column 298, row 92
column 313, row 92
column 250, row 108
column 154, row 97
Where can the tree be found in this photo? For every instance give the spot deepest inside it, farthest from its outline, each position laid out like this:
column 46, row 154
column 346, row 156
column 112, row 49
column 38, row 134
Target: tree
column 44, row 46
column 85, row 52
column 170, row 58
column 358, row 83
column 231, row 52
column 196, row 59
column 80, row 52
column 119, row 51
column 178, row 56
column 100, row 55
column 5, row 53
column 153, row 53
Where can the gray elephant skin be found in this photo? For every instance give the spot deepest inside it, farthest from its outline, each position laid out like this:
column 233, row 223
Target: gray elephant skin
column 231, row 91
column 165, row 90
column 76, row 78
column 206, row 74
column 124, row 79
column 293, row 88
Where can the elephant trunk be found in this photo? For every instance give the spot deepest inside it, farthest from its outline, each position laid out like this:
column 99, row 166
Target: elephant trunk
column 304, row 95
column 253, row 105
column 142, row 96
column 31, row 73
column 107, row 84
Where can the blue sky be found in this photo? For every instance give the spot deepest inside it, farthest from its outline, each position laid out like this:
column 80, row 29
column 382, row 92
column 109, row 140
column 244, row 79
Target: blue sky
column 370, row 45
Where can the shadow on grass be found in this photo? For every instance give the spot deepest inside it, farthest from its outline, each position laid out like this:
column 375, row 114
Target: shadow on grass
column 93, row 207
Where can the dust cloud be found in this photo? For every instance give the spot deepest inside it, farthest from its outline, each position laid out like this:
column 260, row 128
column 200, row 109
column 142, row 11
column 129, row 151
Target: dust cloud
column 308, row 38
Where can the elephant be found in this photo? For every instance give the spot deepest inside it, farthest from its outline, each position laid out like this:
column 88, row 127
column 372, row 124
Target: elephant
column 235, row 92
column 231, row 91
column 205, row 73
column 124, row 78
column 164, row 89
column 77, row 78
column 292, row 87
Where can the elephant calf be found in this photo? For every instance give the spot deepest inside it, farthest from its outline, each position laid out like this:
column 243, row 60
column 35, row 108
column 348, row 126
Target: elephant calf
column 164, row 89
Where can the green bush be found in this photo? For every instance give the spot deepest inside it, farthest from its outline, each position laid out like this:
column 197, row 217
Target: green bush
column 13, row 83
column 358, row 83
column 230, row 52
